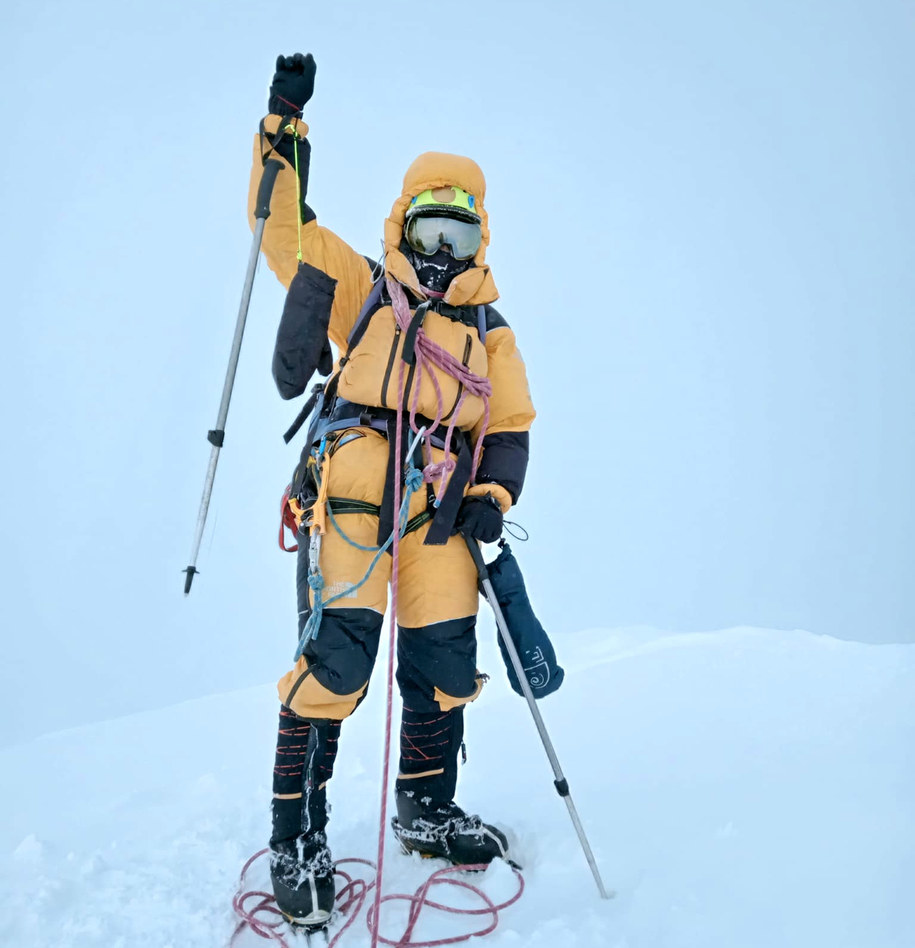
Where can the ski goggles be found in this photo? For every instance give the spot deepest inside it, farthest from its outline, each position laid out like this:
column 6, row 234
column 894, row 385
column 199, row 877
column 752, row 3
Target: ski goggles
column 427, row 235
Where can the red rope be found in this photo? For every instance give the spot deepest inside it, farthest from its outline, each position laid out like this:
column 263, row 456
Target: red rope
column 266, row 920
column 420, row 900
column 287, row 522
column 392, row 636
column 353, row 894
column 428, row 355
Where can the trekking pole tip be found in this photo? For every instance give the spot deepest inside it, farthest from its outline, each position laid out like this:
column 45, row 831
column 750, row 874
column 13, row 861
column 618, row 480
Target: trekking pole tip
column 189, row 578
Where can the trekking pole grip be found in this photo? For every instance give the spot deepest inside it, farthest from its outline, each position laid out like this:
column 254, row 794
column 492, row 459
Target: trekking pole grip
column 272, row 167
column 477, row 555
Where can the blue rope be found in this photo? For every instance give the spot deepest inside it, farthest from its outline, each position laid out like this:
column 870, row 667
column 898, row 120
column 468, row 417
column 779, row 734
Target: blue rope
column 349, row 540
column 412, row 482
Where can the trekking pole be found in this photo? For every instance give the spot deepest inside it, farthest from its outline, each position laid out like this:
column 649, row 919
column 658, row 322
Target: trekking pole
column 217, row 435
column 561, row 784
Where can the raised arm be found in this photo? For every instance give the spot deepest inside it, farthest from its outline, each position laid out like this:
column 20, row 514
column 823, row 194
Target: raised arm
column 283, row 135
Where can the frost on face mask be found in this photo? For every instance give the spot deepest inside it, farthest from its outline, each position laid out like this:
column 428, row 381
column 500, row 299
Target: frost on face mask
column 437, row 270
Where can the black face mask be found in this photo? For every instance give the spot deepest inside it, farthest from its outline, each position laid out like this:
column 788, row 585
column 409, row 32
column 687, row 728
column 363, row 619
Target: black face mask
column 437, row 270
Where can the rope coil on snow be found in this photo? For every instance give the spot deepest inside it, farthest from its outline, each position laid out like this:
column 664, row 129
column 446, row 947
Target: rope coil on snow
column 266, row 920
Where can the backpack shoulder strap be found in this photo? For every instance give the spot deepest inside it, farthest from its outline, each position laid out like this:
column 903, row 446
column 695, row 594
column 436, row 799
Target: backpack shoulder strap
column 362, row 320
column 327, row 391
column 356, row 333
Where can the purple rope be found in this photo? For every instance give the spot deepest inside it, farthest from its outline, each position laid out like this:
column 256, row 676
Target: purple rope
column 430, row 355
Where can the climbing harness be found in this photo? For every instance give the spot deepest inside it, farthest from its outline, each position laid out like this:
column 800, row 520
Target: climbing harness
column 328, row 413
column 424, row 356
column 413, row 482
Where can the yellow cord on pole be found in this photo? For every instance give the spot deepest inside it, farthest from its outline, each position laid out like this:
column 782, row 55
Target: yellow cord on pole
column 298, row 187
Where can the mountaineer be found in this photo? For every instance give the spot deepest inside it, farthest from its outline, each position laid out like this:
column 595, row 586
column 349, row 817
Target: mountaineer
column 419, row 340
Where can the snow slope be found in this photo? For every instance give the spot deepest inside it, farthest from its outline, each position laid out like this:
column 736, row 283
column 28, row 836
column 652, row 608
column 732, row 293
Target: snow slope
column 741, row 788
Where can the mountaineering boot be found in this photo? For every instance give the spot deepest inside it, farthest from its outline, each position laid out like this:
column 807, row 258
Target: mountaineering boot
column 427, row 820
column 302, row 873
column 445, row 830
column 301, row 866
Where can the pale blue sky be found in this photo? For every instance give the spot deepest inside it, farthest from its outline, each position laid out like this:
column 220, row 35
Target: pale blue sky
column 703, row 234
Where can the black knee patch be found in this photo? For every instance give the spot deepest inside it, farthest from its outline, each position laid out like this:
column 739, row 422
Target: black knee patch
column 442, row 655
column 342, row 654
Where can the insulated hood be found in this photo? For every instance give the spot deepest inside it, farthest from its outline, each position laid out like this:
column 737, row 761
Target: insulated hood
column 438, row 170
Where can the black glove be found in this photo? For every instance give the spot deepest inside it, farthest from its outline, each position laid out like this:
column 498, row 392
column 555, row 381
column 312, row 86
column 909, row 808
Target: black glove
column 480, row 518
column 293, row 84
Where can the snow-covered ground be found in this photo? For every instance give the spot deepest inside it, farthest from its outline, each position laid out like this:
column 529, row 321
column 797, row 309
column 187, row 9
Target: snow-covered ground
column 740, row 788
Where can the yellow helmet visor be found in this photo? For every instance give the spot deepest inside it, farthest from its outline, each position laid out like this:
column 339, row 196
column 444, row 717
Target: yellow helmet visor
column 448, row 202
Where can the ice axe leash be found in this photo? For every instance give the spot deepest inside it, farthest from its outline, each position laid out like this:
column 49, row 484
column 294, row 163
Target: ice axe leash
column 217, row 435
column 560, row 782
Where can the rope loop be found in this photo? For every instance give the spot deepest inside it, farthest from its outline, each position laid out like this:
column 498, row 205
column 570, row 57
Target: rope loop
column 346, row 537
column 429, row 354
column 257, row 910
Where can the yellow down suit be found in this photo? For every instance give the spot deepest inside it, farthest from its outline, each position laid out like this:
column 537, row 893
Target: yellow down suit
column 437, row 582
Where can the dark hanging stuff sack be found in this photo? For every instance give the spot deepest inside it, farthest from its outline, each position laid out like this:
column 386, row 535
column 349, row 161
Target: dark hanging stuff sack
column 302, row 346
column 538, row 657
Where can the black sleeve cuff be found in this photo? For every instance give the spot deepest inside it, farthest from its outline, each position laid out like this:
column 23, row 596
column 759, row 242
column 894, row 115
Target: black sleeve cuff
column 504, row 461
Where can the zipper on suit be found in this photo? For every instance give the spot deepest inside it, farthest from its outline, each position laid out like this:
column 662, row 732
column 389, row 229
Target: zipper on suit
column 467, row 347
